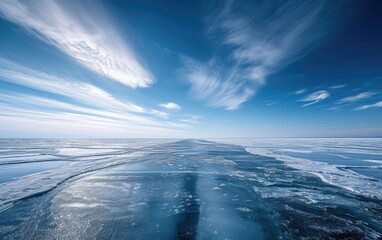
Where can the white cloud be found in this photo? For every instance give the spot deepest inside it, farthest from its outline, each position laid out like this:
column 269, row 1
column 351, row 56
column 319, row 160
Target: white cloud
column 81, row 92
column 207, row 84
column 338, row 86
column 170, row 105
column 67, row 124
column 315, row 97
column 24, row 112
column 261, row 38
column 192, row 119
column 83, row 33
column 74, row 103
column 272, row 103
column 159, row 113
column 375, row 105
column 300, row 91
column 334, row 108
column 37, row 104
column 360, row 96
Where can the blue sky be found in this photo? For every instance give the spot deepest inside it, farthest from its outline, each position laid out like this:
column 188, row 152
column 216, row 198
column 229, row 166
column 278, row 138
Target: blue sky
column 190, row 68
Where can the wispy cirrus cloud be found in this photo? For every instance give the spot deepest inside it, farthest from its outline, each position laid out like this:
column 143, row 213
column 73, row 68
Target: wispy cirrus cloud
column 315, row 97
column 159, row 113
column 84, row 33
column 300, row 91
column 272, row 103
column 355, row 98
column 192, row 119
column 28, row 120
column 81, row 92
column 338, row 86
column 88, row 105
column 207, row 84
column 261, row 38
column 28, row 106
column 170, row 105
column 375, row 105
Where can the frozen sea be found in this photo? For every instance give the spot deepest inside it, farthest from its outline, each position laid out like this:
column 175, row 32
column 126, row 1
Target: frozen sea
column 191, row 189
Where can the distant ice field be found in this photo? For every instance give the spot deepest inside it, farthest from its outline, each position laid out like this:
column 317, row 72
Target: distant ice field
column 351, row 163
column 190, row 189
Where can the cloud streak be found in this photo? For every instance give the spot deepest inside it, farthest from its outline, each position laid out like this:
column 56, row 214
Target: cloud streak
column 192, row 119
column 338, row 86
column 72, row 124
column 88, row 105
column 81, row 92
column 261, row 38
column 375, row 105
column 170, row 105
column 207, row 84
column 84, row 33
column 300, row 91
column 315, row 97
column 355, row 98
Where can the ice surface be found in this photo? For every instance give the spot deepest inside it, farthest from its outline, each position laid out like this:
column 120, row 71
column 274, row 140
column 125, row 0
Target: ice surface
column 11, row 172
column 84, row 151
column 13, row 159
column 191, row 189
column 18, row 183
column 334, row 161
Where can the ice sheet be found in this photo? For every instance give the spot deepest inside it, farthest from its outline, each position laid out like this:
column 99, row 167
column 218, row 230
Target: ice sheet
column 190, row 189
column 84, row 151
column 23, row 181
column 330, row 159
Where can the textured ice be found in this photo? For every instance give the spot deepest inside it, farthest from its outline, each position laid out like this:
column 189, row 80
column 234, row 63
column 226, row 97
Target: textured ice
column 192, row 189
column 319, row 156
column 84, row 151
column 42, row 181
column 14, row 159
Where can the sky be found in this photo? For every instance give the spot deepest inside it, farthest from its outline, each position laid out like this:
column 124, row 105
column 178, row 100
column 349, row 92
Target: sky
column 190, row 69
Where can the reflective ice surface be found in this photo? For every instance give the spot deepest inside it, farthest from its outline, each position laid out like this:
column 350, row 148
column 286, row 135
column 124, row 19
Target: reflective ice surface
column 191, row 189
